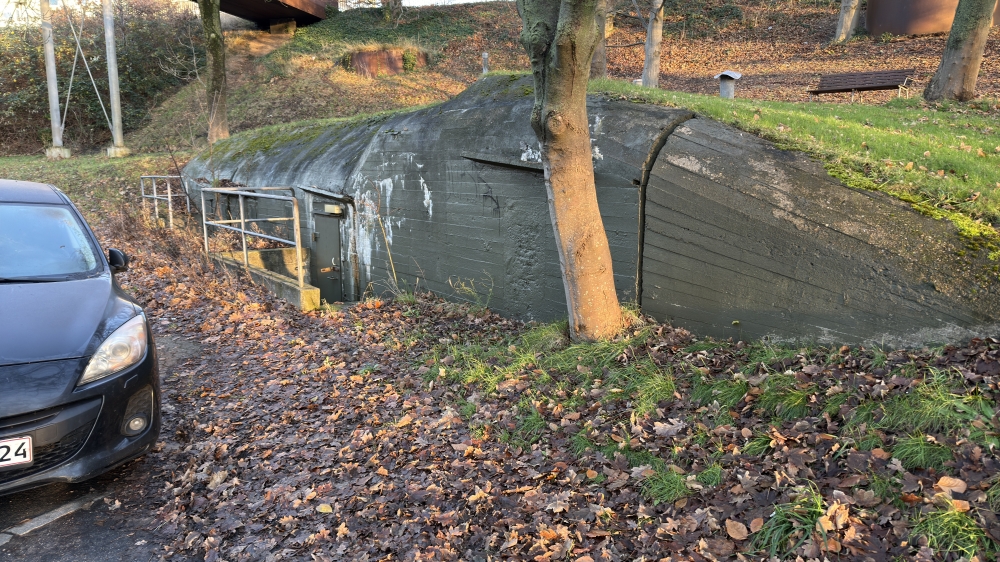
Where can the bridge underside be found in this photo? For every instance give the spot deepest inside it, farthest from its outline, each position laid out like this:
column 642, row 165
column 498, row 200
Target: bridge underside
column 264, row 12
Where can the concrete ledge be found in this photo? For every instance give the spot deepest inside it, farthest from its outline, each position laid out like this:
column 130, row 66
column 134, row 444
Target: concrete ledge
column 118, row 152
column 57, row 153
column 276, row 260
column 285, row 288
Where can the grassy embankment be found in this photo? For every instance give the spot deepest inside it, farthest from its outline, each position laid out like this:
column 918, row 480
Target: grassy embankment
column 275, row 80
column 944, row 159
column 97, row 185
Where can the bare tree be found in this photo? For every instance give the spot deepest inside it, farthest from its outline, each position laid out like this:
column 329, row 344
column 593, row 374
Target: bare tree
column 559, row 37
column 963, row 54
column 653, row 20
column 850, row 16
column 218, row 121
column 599, row 64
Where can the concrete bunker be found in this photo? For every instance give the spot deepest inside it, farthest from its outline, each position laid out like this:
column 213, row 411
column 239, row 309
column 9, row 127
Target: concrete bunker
column 711, row 228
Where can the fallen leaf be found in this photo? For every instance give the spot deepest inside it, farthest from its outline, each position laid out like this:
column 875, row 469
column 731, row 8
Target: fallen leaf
column 951, row 485
column 324, row 508
column 756, row 524
column 736, row 529
column 404, row 421
column 669, row 429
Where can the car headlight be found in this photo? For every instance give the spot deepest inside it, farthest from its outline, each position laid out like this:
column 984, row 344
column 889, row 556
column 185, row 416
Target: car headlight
column 124, row 348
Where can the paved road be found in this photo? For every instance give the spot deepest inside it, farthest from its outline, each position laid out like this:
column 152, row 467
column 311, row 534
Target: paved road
column 105, row 519
column 77, row 523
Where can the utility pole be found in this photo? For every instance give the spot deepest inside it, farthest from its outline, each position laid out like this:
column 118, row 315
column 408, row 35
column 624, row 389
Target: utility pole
column 118, row 149
column 56, row 151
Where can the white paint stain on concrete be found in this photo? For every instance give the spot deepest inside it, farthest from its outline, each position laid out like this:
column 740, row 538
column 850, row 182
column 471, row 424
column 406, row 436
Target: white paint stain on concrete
column 595, row 152
column 529, row 154
column 427, row 198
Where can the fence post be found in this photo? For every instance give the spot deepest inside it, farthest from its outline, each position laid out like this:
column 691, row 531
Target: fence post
column 170, row 206
column 204, row 219
column 298, row 240
column 243, row 234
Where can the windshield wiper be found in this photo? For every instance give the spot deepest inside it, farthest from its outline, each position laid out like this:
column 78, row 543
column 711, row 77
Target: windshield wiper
column 26, row 280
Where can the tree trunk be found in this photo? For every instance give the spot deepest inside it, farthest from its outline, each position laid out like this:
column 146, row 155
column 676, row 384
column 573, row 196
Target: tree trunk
column 599, row 64
column 955, row 78
column 218, row 120
column 559, row 38
column 654, row 38
column 850, row 16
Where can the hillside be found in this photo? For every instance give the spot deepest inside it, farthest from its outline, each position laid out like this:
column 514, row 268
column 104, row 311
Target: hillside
column 942, row 158
column 780, row 49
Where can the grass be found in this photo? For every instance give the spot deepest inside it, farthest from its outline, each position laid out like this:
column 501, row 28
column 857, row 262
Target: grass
column 949, row 531
column 884, row 487
column 872, row 147
column 757, row 446
column 711, row 476
column 665, row 486
column 96, row 184
column 791, row 524
column 942, row 403
column 727, row 392
column 785, row 398
column 919, row 452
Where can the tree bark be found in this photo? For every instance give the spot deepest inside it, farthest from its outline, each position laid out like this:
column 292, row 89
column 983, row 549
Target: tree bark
column 218, row 120
column 956, row 76
column 654, row 39
column 599, row 64
column 559, row 38
column 850, row 16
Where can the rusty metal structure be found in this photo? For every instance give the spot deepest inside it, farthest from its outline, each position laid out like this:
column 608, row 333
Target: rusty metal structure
column 913, row 17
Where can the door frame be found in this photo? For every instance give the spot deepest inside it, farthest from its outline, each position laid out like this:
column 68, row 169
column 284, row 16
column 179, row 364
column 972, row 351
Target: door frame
column 340, row 250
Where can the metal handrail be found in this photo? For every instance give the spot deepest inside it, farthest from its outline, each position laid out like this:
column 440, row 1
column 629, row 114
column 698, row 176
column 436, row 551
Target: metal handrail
column 157, row 198
column 242, row 229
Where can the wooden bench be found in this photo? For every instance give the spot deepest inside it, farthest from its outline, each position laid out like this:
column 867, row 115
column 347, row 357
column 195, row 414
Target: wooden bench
column 864, row 81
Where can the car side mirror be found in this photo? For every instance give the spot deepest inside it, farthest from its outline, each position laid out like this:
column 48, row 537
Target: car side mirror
column 118, row 260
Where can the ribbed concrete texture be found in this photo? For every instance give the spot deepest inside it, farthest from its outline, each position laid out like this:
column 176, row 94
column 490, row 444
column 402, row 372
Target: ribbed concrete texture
column 737, row 237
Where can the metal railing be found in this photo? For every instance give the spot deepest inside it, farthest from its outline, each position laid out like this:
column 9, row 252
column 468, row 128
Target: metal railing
column 157, row 196
column 242, row 228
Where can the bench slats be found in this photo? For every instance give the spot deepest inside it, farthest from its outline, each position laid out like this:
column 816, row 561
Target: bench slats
column 862, row 81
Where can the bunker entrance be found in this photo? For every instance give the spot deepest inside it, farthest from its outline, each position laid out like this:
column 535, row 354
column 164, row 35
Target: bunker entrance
column 328, row 274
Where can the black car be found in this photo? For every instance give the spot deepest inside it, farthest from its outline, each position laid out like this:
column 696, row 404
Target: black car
column 79, row 386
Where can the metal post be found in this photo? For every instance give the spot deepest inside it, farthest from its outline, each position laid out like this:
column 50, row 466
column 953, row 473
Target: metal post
column 170, row 206
column 57, row 150
column 298, row 241
column 156, row 205
column 486, row 63
column 204, row 221
column 118, row 150
column 243, row 235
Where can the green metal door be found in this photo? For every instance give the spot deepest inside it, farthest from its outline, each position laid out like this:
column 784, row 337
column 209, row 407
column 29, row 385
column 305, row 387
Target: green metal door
column 329, row 270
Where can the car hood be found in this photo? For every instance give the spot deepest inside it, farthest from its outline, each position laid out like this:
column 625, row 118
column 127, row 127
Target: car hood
column 59, row 320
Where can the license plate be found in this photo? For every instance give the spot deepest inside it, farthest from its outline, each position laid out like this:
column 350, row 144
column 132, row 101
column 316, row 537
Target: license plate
column 15, row 451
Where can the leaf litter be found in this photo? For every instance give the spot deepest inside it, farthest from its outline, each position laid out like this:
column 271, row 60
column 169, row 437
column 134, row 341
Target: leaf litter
column 358, row 434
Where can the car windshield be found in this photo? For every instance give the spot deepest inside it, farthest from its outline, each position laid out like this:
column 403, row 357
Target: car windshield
column 43, row 242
